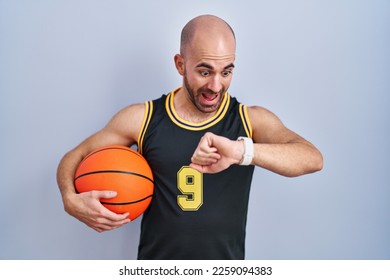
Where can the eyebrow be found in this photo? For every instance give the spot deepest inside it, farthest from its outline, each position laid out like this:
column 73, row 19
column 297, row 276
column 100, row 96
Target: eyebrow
column 208, row 66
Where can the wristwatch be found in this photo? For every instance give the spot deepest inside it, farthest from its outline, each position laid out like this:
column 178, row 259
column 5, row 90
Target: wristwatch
column 249, row 151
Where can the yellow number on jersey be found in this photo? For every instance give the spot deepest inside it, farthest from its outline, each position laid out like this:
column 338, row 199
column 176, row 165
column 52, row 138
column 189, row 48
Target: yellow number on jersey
column 190, row 183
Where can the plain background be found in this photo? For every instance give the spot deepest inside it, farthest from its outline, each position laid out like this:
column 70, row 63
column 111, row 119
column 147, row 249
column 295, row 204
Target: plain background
column 322, row 66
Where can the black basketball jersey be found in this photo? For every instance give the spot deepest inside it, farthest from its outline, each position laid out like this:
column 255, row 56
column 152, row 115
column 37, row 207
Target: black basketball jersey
column 193, row 215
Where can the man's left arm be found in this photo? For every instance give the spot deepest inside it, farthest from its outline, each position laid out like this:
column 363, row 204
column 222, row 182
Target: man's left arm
column 276, row 148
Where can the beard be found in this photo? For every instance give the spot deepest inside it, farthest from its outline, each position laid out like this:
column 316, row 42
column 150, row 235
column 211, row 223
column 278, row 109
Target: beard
column 204, row 93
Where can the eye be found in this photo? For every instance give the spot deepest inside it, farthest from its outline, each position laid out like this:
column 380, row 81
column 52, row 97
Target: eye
column 204, row 73
column 226, row 73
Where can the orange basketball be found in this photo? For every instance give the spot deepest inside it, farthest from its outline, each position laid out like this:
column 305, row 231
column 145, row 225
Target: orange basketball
column 120, row 169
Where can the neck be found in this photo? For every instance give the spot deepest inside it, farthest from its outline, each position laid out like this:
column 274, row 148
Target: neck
column 186, row 109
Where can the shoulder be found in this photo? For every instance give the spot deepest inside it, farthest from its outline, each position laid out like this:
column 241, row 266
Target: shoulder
column 133, row 109
column 262, row 116
column 128, row 121
column 266, row 126
column 130, row 113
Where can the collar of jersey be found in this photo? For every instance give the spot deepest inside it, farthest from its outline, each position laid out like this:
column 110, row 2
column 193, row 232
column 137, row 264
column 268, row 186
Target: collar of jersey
column 169, row 105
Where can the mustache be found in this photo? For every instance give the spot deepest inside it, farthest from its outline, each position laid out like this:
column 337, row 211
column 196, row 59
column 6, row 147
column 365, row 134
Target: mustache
column 208, row 91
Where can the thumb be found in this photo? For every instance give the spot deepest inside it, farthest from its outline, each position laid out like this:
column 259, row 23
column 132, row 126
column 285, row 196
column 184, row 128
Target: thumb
column 200, row 168
column 196, row 167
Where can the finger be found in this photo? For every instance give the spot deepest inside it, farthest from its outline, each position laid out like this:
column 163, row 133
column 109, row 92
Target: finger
column 205, row 159
column 104, row 223
column 104, row 194
column 100, row 214
column 107, row 227
column 120, row 218
column 204, row 150
column 207, row 149
column 197, row 167
column 111, row 216
column 203, row 168
column 207, row 153
column 113, row 224
column 105, row 212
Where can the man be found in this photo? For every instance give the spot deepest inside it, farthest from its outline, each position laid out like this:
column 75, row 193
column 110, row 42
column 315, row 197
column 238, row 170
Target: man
column 202, row 146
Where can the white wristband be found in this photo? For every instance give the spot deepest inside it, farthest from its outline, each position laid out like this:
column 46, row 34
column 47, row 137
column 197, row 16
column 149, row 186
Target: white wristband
column 249, row 151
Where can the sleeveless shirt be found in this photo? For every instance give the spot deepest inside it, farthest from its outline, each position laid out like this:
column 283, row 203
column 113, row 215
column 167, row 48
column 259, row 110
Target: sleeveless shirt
column 193, row 215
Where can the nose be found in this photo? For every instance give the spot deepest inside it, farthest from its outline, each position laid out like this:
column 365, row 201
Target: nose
column 215, row 84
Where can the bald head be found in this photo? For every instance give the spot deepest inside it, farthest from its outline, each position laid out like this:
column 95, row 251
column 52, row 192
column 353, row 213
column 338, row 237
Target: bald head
column 205, row 27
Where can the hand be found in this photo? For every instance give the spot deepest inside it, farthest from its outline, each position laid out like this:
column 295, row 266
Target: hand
column 216, row 153
column 87, row 208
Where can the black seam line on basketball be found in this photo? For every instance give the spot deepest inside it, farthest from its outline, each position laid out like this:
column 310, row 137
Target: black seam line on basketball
column 126, row 203
column 113, row 148
column 113, row 171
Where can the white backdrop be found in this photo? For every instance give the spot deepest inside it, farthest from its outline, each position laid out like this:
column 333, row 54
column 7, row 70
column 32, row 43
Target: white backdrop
column 322, row 66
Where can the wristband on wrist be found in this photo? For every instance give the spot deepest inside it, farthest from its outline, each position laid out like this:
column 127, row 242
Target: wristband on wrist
column 249, row 151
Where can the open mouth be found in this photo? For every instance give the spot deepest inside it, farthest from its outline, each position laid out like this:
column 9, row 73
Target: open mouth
column 209, row 96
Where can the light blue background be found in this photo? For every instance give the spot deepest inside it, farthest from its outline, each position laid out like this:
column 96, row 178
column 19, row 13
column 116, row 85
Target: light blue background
column 322, row 66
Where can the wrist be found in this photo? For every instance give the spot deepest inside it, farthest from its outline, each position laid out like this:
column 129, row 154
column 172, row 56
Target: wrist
column 248, row 154
column 68, row 198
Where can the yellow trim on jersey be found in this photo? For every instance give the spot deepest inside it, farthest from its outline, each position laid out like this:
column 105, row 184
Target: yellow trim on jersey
column 221, row 112
column 245, row 120
column 145, row 124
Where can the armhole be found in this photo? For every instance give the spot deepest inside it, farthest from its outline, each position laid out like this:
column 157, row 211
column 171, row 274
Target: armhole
column 245, row 120
column 145, row 124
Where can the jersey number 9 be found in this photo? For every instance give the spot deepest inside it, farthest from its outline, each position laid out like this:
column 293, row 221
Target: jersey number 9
column 190, row 184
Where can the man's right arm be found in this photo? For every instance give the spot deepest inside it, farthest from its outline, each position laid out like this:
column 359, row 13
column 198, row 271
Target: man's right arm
column 122, row 129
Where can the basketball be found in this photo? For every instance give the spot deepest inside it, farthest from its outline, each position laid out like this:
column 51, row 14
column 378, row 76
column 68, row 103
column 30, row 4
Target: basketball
column 120, row 169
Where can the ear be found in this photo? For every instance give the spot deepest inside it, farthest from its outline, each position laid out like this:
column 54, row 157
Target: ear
column 179, row 63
